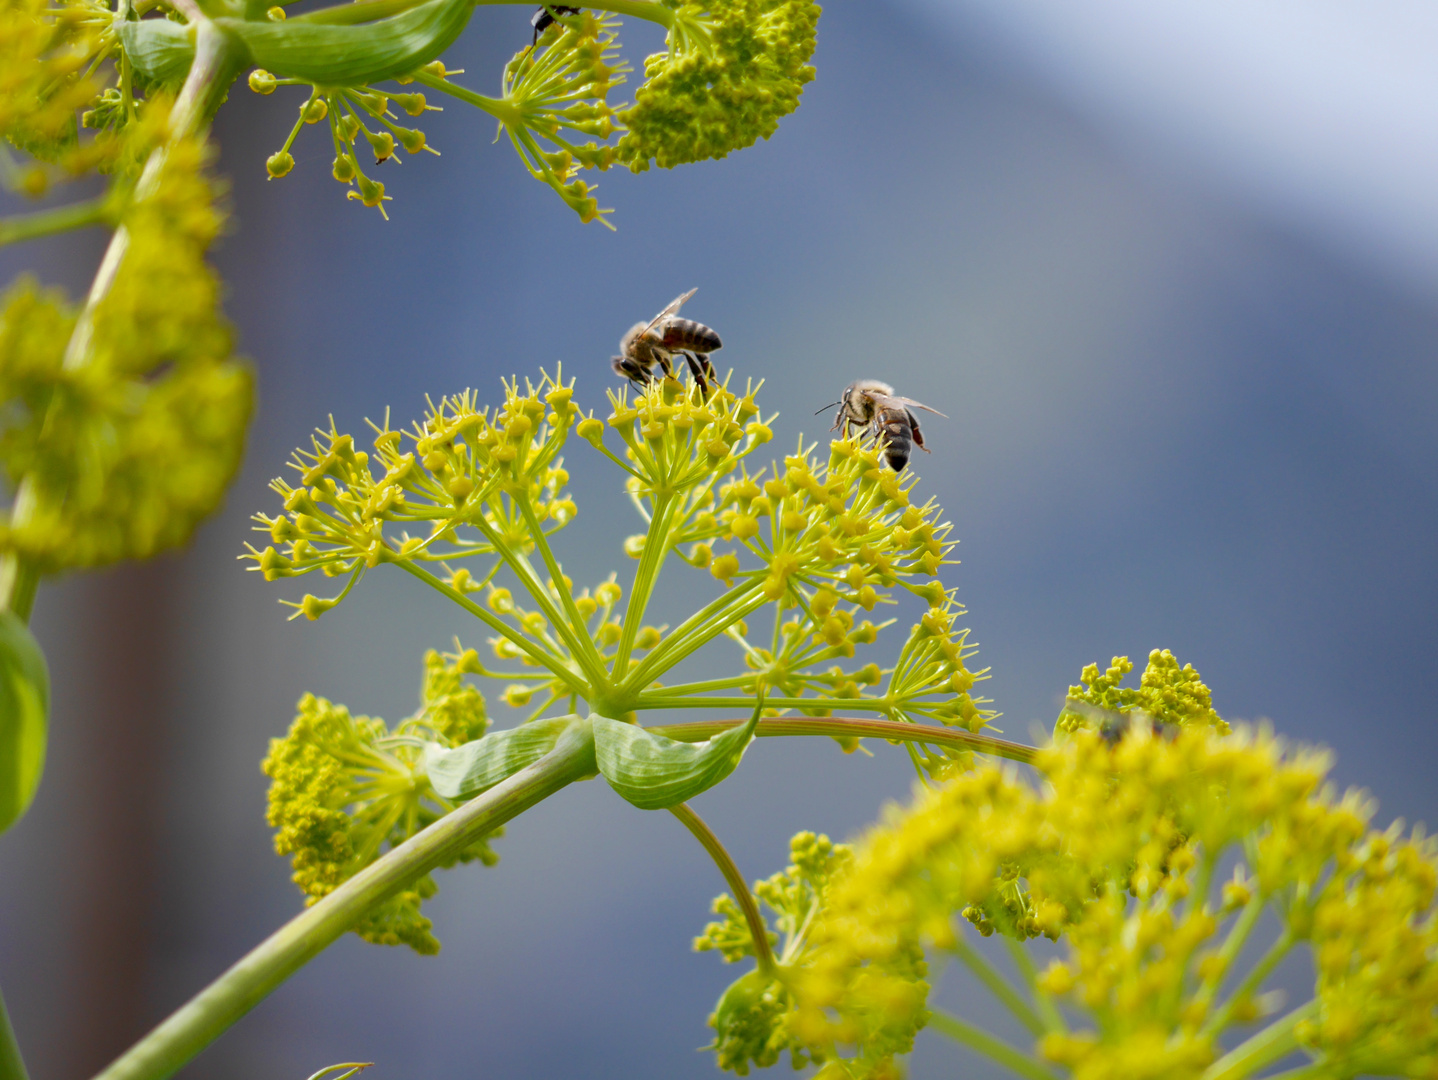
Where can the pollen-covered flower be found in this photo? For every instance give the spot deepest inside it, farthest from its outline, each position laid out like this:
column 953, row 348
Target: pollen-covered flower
column 1116, row 856
column 733, row 69
column 343, row 789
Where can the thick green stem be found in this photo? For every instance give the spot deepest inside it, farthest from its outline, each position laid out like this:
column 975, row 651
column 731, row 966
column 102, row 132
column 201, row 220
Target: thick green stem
column 1273, row 1042
column 735, row 880
column 840, row 727
column 12, row 1065
column 997, row 985
column 651, row 559
column 237, row 991
column 211, row 71
column 981, row 1041
column 96, row 211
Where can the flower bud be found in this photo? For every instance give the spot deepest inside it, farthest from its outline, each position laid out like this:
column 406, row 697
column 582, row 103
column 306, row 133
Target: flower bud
column 314, row 110
column 275, row 14
column 744, row 526
column 517, row 696
column 382, row 144
column 262, row 82
column 591, row 430
column 725, row 567
column 344, row 168
column 608, row 594
column 278, row 164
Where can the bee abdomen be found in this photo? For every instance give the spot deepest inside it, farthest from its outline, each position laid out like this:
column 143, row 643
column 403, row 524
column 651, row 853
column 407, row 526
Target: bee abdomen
column 898, row 432
column 691, row 335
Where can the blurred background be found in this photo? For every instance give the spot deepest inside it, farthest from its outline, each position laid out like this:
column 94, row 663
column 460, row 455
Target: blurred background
column 1172, row 272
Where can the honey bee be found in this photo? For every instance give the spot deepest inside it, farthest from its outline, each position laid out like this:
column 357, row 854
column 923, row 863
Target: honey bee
column 871, row 406
column 544, row 18
column 661, row 339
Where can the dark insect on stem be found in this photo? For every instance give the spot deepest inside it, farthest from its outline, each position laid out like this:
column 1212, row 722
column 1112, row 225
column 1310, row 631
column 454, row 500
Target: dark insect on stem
column 544, row 18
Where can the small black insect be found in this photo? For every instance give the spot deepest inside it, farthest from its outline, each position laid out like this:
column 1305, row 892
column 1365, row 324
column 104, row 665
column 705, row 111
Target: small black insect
column 543, row 19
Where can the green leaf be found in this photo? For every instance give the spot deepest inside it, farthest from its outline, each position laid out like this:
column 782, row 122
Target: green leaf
column 475, row 767
column 654, row 772
column 24, row 716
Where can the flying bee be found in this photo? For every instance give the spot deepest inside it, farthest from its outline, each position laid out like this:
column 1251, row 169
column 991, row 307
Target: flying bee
column 872, row 407
column 662, row 338
column 544, row 18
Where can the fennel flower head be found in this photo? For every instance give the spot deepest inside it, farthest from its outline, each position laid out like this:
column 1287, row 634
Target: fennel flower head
column 1117, row 857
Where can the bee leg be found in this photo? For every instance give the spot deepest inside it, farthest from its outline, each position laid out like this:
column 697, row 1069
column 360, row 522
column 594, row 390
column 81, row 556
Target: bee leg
column 918, row 435
column 697, row 370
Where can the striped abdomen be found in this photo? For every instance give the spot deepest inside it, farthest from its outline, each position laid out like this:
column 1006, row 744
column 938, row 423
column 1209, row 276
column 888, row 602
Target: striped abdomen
column 678, row 335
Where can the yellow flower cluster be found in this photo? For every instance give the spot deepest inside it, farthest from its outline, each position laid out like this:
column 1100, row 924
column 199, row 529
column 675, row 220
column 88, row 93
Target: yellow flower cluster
column 1116, row 855
column 343, row 789
column 126, row 453
column 1166, row 694
column 826, row 542
column 750, row 1021
column 559, row 91
column 733, row 70
column 478, row 483
column 47, row 57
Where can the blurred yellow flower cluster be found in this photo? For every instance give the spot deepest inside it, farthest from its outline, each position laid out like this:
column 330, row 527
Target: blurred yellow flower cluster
column 1117, row 856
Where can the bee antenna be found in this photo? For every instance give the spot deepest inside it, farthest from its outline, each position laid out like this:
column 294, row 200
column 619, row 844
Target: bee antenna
column 828, row 406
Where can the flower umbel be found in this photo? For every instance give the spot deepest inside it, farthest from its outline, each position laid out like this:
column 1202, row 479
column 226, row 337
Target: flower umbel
column 733, row 70
column 1116, row 857
column 751, row 1019
column 344, row 789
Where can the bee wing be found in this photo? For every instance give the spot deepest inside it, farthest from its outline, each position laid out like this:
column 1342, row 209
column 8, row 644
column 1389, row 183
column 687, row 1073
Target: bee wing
column 920, row 405
column 672, row 309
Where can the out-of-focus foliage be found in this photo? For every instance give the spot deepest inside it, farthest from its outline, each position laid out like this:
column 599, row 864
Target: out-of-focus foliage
column 47, row 54
column 24, row 717
column 345, row 788
column 126, row 452
column 1115, row 857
